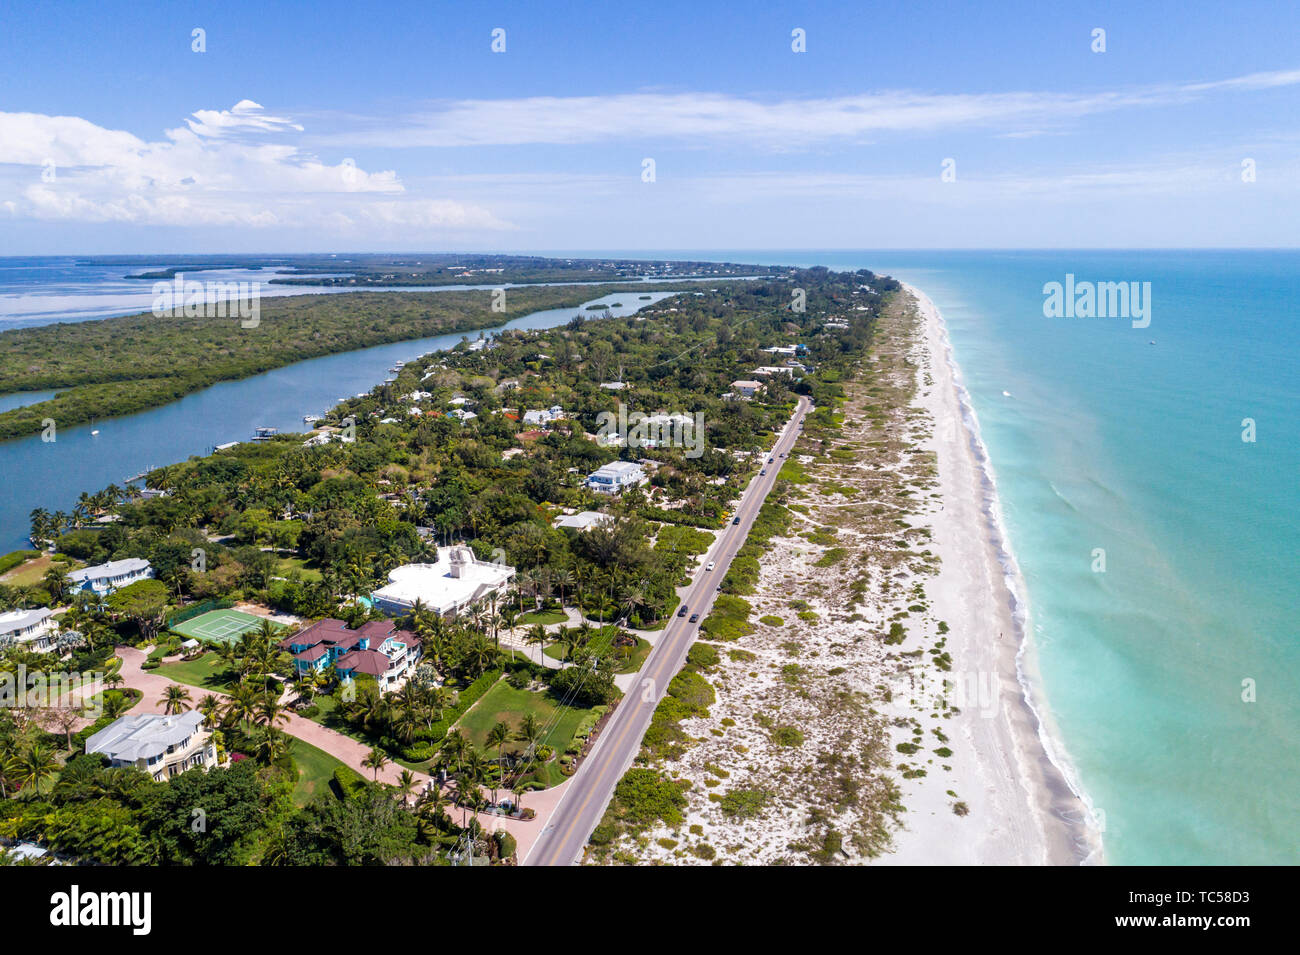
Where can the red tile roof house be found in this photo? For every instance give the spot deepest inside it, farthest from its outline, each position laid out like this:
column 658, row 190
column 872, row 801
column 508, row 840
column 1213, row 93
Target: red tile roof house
column 376, row 648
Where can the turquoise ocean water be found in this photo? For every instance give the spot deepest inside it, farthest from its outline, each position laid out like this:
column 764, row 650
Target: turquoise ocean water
column 1109, row 441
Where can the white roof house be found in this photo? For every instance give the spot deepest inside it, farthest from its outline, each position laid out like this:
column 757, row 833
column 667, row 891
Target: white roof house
column 613, row 385
column 583, row 521
column 746, row 388
column 33, row 627
column 774, row 370
column 159, row 745
column 461, row 415
column 447, row 586
column 554, row 413
column 106, row 578
column 615, row 476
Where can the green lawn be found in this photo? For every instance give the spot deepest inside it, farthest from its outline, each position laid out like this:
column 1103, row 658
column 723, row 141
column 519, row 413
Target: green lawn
column 309, row 573
column 32, row 572
column 627, row 659
column 544, row 617
column 503, row 703
column 208, row 672
column 315, row 769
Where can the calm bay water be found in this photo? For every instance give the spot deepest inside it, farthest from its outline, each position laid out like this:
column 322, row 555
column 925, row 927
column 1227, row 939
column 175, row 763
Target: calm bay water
column 53, row 474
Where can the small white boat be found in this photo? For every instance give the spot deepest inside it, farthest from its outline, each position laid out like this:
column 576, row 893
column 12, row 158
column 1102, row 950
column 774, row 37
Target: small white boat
column 95, row 432
column 1006, row 394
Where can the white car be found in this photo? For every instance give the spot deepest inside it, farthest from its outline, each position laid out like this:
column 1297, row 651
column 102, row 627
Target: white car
column 710, row 567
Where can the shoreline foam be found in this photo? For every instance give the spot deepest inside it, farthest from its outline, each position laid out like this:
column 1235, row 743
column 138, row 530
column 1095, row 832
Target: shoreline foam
column 1019, row 737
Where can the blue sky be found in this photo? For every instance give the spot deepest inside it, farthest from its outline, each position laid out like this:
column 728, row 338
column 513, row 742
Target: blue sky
column 323, row 127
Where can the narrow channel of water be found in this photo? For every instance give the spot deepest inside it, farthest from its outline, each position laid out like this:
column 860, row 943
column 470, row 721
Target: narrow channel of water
column 51, row 475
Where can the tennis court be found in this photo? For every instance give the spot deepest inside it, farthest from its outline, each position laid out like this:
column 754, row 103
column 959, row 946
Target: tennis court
column 223, row 626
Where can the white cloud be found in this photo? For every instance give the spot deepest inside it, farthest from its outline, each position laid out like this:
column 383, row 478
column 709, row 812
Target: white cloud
column 221, row 167
column 781, row 124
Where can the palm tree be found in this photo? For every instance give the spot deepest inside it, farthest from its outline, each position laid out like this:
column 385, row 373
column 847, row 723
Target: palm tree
column 517, row 790
column 375, row 760
column 510, row 620
column 305, row 685
column 268, row 711
column 430, row 807
column 113, row 703
column 453, row 748
column 405, row 783
column 465, row 795
column 498, row 736
column 270, row 744
column 529, row 729
column 175, row 700
column 8, row 751
column 210, row 707
column 32, row 766
column 537, row 635
column 243, row 703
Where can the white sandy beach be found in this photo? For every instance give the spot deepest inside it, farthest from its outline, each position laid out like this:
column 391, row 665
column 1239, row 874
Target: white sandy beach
column 1021, row 809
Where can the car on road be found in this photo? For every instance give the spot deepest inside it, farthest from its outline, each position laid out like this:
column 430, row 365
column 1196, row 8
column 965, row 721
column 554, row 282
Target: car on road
column 695, row 618
column 769, row 460
column 735, row 520
column 710, row 567
column 682, row 612
column 762, row 472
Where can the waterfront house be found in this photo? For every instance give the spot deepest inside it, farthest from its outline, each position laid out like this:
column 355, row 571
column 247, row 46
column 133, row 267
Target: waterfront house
column 162, row 746
column 103, row 579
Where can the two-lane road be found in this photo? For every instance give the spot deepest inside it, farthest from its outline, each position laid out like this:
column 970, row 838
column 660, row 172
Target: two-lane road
column 589, row 792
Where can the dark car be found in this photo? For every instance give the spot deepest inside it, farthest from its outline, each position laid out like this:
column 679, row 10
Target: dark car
column 762, row 472
column 769, row 460
column 735, row 520
column 682, row 612
column 695, row 618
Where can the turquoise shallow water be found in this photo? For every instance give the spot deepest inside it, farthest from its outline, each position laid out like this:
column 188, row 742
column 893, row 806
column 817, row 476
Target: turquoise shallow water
column 1108, row 441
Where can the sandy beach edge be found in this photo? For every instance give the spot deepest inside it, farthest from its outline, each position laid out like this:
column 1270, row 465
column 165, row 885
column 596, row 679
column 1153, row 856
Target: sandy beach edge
column 1032, row 810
